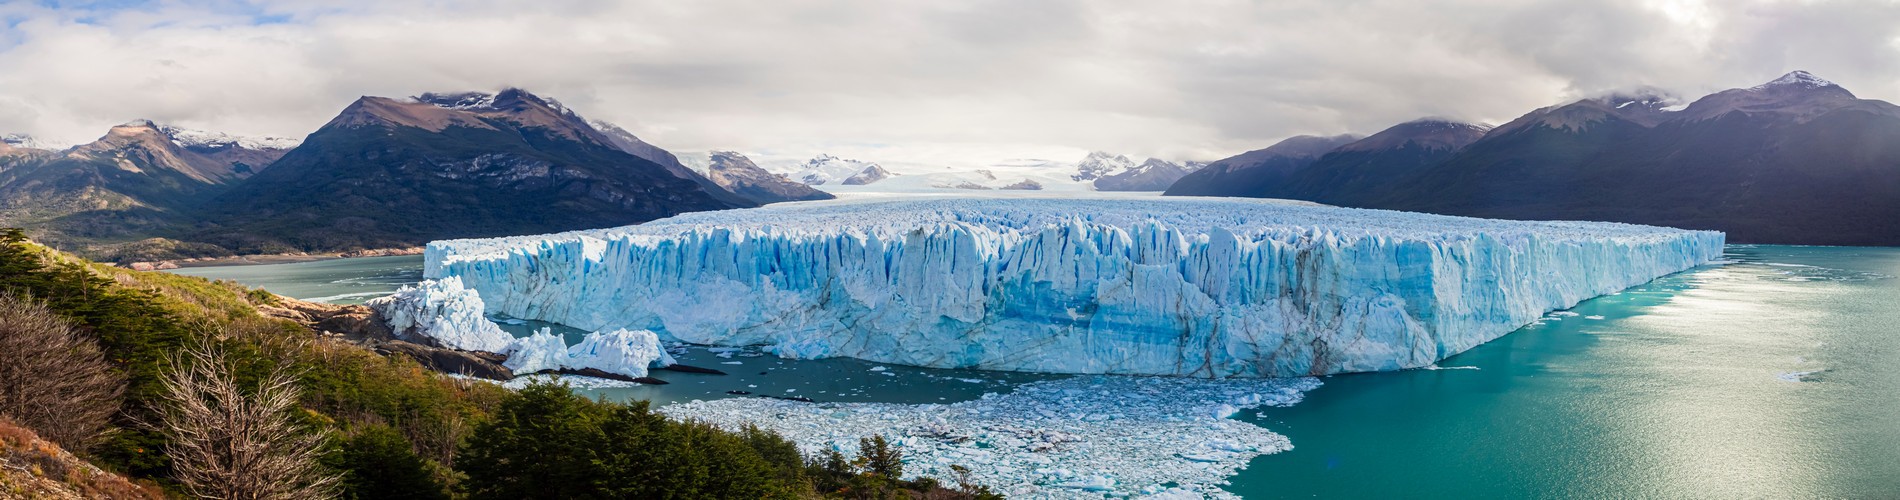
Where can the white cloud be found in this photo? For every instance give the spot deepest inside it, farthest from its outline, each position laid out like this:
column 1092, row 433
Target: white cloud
column 912, row 81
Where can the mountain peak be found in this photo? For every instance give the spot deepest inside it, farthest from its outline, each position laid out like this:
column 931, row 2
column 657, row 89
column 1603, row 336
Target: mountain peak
column 201, row 138
column 1798, row 94
column 139, row 123
column 23, row 141
column 1313, row 146
column 1797, row 79
column 1428, row 132
column 457, row 100
column 1100, row 164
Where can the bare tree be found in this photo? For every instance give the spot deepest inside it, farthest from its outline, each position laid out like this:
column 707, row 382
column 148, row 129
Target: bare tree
column 238, row 443
column 53, row 377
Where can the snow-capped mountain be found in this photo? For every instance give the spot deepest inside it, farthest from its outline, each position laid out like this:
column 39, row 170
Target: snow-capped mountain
column 207, row 139
column 1155, row 174
column 23, row 141
column 739, row 174
column 869, row 175
column 827, row 169
column 1646, row 107
column 1100, row 164
column 836, row 174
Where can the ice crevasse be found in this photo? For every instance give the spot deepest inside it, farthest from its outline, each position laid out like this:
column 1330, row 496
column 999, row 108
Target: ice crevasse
column 1208, row 287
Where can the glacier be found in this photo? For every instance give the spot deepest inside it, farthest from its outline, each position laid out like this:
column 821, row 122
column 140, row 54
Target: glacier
column 1204, row 287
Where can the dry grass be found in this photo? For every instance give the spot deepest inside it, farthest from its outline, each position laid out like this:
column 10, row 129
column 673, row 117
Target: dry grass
column 31, row 467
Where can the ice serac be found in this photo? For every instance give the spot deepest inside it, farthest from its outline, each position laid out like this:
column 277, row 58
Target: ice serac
column 1172, row 286
column 442, row 313
column 621, row 351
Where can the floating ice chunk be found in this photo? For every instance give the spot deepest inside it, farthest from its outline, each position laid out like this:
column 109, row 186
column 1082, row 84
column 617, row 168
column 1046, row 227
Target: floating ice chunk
column 623, row 352
column 541, row 351
column 1593, row 316
column 1225, row 410
column 1092, row 483
column 1798, row 376
column 442, row 313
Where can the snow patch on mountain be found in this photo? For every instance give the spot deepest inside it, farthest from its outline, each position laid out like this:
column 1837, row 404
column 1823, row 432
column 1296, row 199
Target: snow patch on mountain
column 1797, row 79
column 189, row 137
column 825, row 169
column 26, row 141
column 1100, row 164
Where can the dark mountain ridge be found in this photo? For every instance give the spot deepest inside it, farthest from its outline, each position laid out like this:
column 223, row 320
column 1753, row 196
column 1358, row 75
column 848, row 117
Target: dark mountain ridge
column 390, row 173
column 1797, row 160
column 1254, row 171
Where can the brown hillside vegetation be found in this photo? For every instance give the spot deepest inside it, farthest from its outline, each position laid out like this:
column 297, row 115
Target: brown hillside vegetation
column 34, row 468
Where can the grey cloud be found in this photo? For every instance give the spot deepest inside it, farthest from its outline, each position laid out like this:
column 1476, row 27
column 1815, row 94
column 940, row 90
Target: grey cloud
column 952, row 82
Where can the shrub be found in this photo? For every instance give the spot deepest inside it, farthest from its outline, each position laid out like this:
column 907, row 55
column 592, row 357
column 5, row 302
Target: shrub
column 546, row 442
column 235, row 442
column 53, row 378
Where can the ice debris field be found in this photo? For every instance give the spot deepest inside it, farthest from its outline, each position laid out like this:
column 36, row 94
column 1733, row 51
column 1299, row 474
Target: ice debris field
column 1083, row 437
column 1200, row 287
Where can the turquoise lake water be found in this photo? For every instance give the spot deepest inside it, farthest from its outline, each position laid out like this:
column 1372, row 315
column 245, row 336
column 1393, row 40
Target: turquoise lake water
column 1775, row 376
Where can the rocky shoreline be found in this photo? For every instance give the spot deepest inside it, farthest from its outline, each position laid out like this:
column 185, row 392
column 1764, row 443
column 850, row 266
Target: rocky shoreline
column 363, row 326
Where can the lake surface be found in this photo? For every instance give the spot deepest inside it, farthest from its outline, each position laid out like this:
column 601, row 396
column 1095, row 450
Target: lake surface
column 1777, row 375
column 1774, row 377
column 339, row 281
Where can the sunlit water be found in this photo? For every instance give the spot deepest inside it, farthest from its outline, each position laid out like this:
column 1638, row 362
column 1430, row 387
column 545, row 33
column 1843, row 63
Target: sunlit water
column 1775, row 376
column 1760, row 379
column 340, row 281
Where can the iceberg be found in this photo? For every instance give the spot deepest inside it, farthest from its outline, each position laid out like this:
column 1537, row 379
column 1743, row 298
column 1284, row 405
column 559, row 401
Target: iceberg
column 541, row 351
column 442, row 313
column 1205, row 287
column 621, row 351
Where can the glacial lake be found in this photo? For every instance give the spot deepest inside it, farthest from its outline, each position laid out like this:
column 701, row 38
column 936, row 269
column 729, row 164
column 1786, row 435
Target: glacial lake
column 1776, row 375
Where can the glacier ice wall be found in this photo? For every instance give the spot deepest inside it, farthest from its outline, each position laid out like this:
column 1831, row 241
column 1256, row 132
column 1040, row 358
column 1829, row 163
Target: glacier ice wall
column 1172, row 286
column 441, row 313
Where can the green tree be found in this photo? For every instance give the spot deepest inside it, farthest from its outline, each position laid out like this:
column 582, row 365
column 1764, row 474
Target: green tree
column 378, row 462
column 880, row 458
column 542, row 443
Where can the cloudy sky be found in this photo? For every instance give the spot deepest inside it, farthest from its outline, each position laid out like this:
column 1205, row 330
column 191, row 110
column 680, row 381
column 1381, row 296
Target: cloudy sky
column 962, row 82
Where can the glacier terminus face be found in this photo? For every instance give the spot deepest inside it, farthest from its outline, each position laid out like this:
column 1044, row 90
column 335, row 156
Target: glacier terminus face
column 1205, row 287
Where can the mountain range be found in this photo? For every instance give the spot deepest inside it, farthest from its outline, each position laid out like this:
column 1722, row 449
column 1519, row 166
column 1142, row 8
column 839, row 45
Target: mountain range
column 385, row 172
column 1796, row 160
